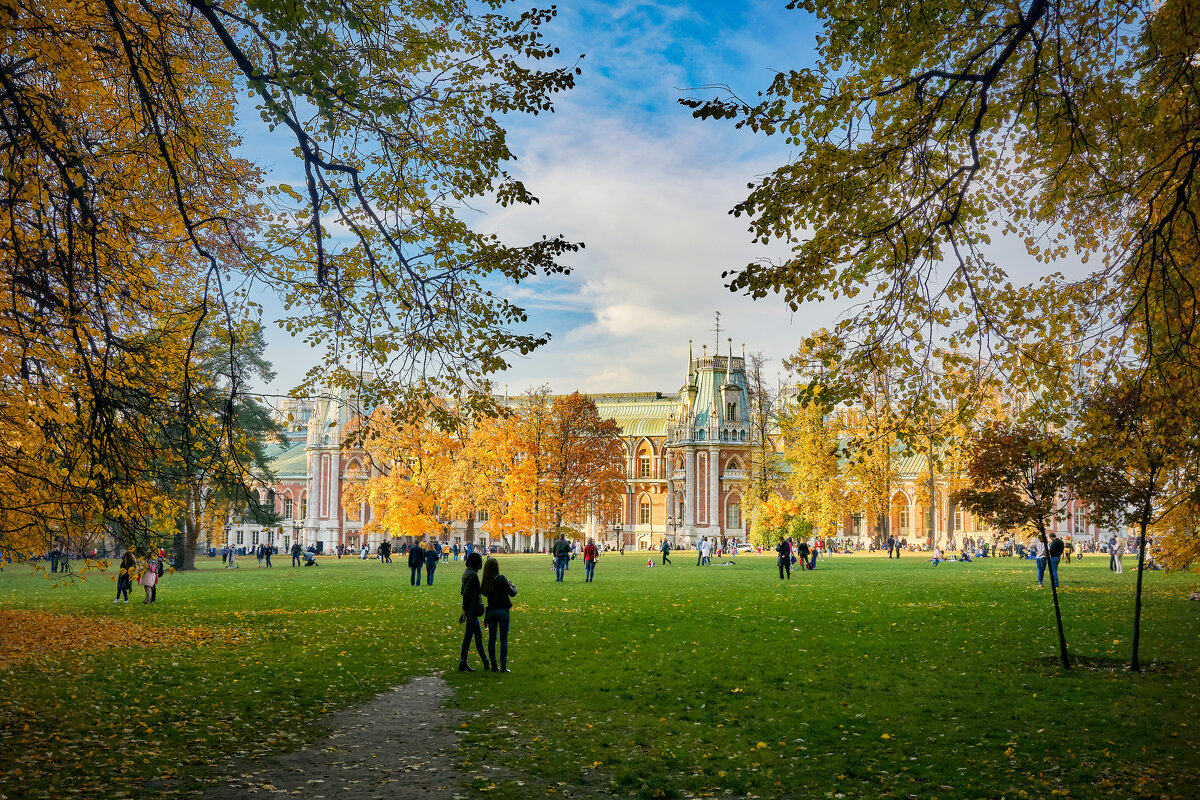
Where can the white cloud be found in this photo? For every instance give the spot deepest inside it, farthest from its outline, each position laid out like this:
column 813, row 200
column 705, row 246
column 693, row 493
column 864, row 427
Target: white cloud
column 653, row 212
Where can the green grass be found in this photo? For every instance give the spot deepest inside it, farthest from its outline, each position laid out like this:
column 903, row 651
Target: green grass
column 865, row 678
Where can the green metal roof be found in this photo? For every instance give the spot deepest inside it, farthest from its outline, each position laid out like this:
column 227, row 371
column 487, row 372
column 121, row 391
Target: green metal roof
column 638, row 414
column 290, row 460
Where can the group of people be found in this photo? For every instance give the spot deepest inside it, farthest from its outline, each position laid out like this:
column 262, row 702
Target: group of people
column 419, row 557
column 796, row 551
column 147, row 576
column 562, row 551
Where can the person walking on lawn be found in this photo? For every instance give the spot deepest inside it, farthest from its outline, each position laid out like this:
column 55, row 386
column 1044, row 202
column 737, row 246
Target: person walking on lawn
column 432, row 557
column 589, row 560
column 416, row 560
column 562, row 554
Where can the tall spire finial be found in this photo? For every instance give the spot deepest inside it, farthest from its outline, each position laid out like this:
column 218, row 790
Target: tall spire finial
column 717, row 329
column 730, row 340
column 689, row 358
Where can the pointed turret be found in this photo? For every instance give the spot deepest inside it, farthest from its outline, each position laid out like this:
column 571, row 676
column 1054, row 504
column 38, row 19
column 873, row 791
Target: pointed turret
column 730, row 391
column 690, row 389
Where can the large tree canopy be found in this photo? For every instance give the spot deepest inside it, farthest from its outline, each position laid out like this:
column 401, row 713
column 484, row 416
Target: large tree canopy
column 925, row 129
column 131, row 221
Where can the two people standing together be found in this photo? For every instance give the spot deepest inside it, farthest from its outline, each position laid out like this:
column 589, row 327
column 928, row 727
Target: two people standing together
column 499, row 592
column 420, row 557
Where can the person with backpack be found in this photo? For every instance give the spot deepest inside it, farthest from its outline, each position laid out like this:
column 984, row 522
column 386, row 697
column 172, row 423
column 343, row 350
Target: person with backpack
column 802, row 554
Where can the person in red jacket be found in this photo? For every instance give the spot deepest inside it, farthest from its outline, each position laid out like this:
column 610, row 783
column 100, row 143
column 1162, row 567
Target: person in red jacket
column 589, row 560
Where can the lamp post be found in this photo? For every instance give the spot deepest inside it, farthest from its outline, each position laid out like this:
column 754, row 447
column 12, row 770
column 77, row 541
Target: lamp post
column 617, row 530
column 295, row 532
column 231, row 560
column 673, row 522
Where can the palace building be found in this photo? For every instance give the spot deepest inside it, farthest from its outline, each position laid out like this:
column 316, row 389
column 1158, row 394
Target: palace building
column 687, row 454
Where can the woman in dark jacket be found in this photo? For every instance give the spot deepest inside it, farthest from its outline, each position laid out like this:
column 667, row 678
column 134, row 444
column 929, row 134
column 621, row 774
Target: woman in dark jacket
column 499, row 593
column 472, row 608
column 125, row 576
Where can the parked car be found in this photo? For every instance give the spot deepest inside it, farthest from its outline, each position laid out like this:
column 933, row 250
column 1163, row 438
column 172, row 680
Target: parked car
column 745, row 548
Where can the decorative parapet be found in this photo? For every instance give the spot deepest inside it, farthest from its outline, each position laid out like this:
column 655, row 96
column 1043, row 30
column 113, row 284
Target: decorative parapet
column 705, row 434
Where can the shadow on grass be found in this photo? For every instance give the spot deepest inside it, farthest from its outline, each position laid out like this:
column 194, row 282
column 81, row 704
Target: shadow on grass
column 1112, row 664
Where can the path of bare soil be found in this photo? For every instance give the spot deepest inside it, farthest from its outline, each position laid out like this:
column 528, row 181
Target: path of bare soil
column 399, row 746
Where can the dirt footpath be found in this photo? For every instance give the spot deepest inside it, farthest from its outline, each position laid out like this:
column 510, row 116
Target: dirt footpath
column 399, row 746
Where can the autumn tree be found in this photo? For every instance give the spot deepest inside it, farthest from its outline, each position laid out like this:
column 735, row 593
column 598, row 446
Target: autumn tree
column 765, row 462
column 1018, row 482
column 408, row 458
column 1138, row 462
column 529, row 428
column 925, row 131
column 776, row 519
column 583, row 460
column 130, row 226
column 812, row 429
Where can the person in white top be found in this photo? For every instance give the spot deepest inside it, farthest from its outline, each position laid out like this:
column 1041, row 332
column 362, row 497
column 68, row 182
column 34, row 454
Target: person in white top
column 1039, row 553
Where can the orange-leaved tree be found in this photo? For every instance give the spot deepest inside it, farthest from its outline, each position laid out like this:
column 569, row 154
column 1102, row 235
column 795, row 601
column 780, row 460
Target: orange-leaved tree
column 583, row 460
column 408, row 458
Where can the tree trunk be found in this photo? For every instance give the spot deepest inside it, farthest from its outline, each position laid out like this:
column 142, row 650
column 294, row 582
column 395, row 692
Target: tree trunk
column 1062, row 637
column 187, row 534
column 1135, row 663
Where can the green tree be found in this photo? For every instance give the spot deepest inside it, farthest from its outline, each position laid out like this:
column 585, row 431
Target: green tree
column 128, row 213
column 924, row 130
column 1017, row 477
column 220, row 432
column 1138, row 462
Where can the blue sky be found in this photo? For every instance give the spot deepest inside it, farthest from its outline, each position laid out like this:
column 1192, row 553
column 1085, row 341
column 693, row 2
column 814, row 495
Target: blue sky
column 624, row 168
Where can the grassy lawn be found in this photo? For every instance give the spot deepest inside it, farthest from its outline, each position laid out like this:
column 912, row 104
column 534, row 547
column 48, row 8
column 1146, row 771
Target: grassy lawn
column 865, row 678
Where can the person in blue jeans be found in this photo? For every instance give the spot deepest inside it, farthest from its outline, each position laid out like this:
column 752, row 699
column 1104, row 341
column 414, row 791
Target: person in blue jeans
column 416, row 560
column 590, row 552
column 1038, row 550
column 562, row 554
column 1055, row 551
column 432, row 556
column 499, row 592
